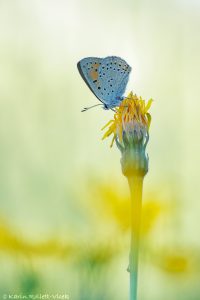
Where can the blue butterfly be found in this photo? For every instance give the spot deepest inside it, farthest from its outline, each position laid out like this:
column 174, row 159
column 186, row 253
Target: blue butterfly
column 106, row 77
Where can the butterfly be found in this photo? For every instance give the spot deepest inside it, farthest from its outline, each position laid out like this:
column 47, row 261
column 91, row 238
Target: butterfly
column 106, row 77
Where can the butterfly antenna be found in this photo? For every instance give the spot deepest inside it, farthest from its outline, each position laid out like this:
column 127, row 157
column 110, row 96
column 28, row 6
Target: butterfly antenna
column 86, row 108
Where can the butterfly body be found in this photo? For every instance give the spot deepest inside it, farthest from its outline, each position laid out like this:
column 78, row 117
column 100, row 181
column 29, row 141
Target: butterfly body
column 106, row 77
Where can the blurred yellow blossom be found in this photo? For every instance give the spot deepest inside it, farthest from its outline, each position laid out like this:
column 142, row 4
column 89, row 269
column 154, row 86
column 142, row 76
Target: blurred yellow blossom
column 12, row 242
column 177, row 260
column 115, row 207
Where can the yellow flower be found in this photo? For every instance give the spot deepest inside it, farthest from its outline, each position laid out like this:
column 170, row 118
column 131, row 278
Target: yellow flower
column 151, row 211
column 177, row 261
column 12, row 242
column 131, row 118
column 114, row 207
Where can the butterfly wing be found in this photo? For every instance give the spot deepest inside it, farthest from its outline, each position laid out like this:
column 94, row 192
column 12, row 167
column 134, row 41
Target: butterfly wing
column 89, row 70
column 106, row 77
column 113, row 77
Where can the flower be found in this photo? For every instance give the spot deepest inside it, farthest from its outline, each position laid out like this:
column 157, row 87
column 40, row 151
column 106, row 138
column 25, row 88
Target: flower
column 177, row 260
column 131, row 119
column 130, row 129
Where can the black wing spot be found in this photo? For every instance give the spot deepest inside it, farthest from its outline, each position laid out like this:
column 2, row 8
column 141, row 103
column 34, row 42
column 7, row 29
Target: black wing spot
column 94, row 81
column 99, row 87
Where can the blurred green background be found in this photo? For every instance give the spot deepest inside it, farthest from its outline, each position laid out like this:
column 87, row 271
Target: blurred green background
column 64, row 210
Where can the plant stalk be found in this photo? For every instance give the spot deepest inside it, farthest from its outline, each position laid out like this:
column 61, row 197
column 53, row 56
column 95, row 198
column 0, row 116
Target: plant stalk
column 135, row 185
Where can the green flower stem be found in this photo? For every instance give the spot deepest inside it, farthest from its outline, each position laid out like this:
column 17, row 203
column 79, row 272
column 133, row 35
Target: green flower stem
column 134, row 163
column 135, row 185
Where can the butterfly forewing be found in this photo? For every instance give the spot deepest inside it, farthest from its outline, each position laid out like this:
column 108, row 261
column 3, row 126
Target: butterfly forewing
column 89, row 69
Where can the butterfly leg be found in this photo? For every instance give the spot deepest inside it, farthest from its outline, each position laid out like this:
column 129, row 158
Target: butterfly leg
column 105, row 107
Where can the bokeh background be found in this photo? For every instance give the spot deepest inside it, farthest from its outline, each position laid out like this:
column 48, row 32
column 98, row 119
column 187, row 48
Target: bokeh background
column 64, row 209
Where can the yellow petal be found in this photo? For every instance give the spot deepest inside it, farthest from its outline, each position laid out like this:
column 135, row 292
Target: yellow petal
column 111, row 121
column 148, row 105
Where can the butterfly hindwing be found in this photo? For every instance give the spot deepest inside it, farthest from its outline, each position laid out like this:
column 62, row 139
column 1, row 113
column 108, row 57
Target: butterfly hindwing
column 113, row 77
